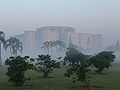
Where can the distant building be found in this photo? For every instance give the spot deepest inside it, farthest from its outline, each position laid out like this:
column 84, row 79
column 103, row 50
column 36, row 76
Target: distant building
column 33, row 40
column 90, row 42
column 45, row 35
column 30, row 42
column 61, row 31
column 58, row 28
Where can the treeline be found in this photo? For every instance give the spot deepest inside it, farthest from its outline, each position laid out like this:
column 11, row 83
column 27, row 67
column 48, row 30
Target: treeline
column 50, row 46
column 79, row 66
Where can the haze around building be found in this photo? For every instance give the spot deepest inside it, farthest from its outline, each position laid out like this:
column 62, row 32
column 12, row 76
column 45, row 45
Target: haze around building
column 87, row 16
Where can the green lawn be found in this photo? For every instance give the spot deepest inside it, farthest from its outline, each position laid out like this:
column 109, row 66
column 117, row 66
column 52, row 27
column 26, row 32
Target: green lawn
column 109, row 80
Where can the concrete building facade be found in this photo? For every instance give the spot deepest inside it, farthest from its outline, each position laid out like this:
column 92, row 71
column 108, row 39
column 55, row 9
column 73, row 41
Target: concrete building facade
column 30, row 42
column 91, row 42
column 45, row 35
column 33, row 39
column 60, row 31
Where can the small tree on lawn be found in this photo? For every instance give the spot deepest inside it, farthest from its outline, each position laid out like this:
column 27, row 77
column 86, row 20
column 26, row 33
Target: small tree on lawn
column 78, row 66
column 17, row 66
column 102, row 60
column 80, row 73
column 46, row 65
column 73, row 56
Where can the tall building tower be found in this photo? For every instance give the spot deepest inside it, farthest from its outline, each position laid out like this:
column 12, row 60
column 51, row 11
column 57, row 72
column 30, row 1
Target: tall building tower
column 60, row 32
column 45, row 35
column 30, row 42
column 33, row 40
column 89, row 42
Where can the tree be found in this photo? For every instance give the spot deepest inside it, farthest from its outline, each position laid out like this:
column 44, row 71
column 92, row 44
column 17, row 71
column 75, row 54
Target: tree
column 81, row 73
column 78, row 66
column 2, row 41
column 49, row 45
column 102, row 60
column 60, row 45
column 46, row 65
column 73, row 56
column 17, row 66
column 14, row 44
column 71, row 45
column 46, row 46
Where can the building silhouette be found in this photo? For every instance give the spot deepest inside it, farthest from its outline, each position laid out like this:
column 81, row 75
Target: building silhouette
column 33, row 40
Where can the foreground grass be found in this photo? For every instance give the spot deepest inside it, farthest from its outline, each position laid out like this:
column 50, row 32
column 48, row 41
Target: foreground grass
column 109, row 80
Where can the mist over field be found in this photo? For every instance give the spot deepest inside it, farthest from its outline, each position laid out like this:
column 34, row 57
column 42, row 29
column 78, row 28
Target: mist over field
column 93, row 17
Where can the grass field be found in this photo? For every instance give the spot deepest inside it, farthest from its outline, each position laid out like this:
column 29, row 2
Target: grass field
column 109, row 80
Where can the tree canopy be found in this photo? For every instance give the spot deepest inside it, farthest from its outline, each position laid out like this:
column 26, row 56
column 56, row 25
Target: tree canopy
column 17, row 66
column 73, row 56
column 102, row 60
column 46, row 65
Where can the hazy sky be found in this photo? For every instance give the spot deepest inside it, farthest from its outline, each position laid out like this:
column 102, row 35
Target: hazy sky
column 87, row 16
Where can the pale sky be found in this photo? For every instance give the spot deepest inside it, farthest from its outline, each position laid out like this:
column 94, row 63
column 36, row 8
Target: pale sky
column 87, row 16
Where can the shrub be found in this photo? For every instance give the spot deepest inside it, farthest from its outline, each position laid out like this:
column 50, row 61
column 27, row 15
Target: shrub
column 46, row 65
column 17, row 66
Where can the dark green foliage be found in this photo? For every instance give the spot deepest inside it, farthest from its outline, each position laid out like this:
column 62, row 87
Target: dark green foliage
column 73, row 56
column 78, row 64
column 81, row 73
column 46, row 65
column 102, row 60
column 109, row 81
column 17, row 66
column 107, row 55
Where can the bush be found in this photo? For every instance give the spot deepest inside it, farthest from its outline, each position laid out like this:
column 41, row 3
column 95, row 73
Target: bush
column 81, row 73
column 78, row 64
column 17, row 66
column 102, row 60
column 46, row 65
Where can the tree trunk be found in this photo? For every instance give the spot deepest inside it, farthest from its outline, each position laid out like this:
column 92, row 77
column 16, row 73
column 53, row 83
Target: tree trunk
column 0, row 56
column 51, row 51
column 48, row 50
column 11, row 51
column 45, row 50
column 45, row 74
